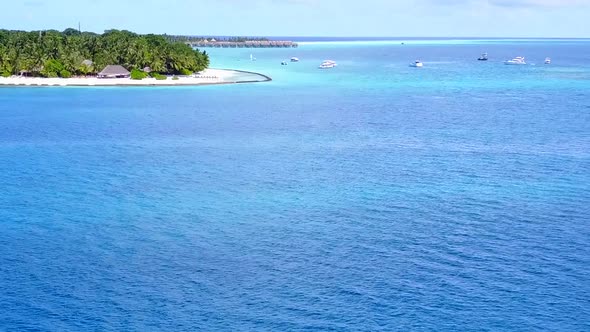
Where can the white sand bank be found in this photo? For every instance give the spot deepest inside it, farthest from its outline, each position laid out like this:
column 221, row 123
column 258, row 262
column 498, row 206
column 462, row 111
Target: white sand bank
column 206, row 77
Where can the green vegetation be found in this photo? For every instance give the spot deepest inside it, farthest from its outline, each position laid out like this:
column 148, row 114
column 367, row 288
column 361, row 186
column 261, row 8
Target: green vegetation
column 65, row 73
column 185, row 72
column 52, row 68
column 137, row 74
column 158, row 76
column 190, row 39
column 245, row 39
column 62, row 54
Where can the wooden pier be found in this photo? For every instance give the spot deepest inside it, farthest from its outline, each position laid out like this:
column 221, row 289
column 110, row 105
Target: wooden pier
column 245, row 44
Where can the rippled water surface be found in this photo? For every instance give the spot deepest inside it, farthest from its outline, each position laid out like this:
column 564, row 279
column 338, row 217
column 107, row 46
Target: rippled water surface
column 370, row 197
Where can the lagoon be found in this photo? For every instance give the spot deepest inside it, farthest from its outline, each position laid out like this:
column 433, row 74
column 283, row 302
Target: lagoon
column 369, row 197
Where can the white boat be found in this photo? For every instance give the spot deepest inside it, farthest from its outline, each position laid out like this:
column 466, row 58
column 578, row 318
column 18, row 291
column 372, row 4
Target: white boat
column 294, row 59
column 547, row 61
column 483, row 57
column 519, row 60
column 417, row 64
column 252, row 58
column 328, row 64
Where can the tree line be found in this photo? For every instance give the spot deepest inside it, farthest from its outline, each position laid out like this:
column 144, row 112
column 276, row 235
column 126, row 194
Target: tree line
column 62, row 54
column 192, row 39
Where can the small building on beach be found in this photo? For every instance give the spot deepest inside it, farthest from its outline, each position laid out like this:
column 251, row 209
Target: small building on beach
column 114, row 71
column 25, row 73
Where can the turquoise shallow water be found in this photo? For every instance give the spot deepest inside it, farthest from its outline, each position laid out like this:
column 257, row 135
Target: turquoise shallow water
column 370, row 197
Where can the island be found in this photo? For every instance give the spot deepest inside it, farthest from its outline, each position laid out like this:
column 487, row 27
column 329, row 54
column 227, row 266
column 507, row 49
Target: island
column 116, row 57
column 233, row 42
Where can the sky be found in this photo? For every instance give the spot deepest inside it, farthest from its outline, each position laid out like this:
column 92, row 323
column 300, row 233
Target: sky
column 369, row 18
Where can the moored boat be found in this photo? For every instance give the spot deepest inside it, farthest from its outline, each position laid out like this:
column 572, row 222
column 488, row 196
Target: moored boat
column 547, row 61
column 519, row 60
column 294, row 59
column 417, row 64
column 328, row 64
column 483, row 57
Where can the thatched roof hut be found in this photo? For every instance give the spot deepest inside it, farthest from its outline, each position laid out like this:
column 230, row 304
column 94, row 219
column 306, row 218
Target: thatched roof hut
column 114, row 71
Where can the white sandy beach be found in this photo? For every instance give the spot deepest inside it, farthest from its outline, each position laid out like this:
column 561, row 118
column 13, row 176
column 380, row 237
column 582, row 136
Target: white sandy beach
column 206, row 77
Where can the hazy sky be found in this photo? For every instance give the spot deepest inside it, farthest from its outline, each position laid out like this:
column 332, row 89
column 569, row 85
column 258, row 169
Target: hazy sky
column 499, row 18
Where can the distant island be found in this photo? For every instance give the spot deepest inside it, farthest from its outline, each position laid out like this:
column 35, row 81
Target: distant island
column 193, row 39
column 232, row 42
column 70, row 53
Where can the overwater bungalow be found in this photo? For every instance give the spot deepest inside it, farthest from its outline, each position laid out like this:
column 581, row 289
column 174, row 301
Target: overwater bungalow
column 114, row 71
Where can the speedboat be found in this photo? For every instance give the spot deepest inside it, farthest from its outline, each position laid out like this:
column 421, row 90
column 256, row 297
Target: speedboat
column 294, row 59
column 483, row 57
column 327, row 64
column 417, row 64
column 547, row 61
column 519, row 60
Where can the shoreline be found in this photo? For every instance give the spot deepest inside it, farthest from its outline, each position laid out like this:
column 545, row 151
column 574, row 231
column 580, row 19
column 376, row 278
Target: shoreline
column 206, row 77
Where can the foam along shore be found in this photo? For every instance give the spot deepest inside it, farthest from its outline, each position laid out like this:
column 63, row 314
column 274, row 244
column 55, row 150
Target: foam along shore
column 206, row 77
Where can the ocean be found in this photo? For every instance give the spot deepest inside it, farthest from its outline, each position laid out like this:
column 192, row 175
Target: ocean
column 368, row 197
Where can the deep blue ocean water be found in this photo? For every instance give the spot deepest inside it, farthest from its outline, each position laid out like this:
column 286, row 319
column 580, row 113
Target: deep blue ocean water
column 369, row 197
